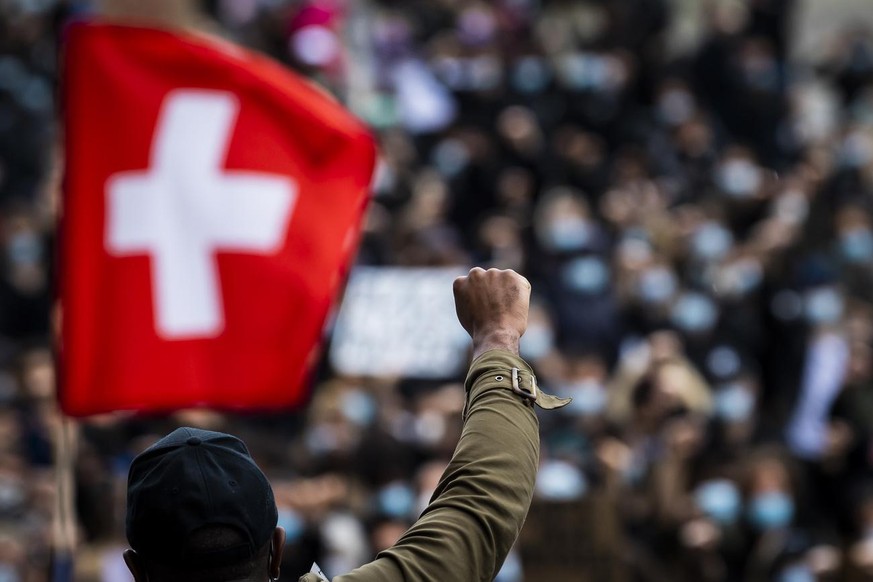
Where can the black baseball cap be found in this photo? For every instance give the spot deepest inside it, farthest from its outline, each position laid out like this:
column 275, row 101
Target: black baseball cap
column 192, row 479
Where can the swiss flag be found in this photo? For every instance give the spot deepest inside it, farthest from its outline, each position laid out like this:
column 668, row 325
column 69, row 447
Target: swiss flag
column 212, row 204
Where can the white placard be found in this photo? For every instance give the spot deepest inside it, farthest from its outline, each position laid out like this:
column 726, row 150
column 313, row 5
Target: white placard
column 400, row 322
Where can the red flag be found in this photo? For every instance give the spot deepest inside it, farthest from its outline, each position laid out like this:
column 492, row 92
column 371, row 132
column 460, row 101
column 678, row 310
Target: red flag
column 212, row 204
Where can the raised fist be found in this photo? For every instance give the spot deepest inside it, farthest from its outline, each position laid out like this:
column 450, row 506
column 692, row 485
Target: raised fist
column 493, row 306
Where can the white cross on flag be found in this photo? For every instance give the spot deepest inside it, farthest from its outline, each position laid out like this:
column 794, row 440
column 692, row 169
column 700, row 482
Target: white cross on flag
column 211, row 204
column 186, row 207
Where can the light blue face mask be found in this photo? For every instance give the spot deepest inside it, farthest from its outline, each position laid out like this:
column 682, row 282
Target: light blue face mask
column 8, row 574
column 694, row 313
column 560, row 481
column 723, row 361
column 746, row 275
column 358, row 407
column 531, row 75
column 739, row 178
column 635, row 471
column 512, row 570
column 734, row 403
column 676, row 106
column 796, row 573
column 855, row 151
column 450, row 157
column 486, row 72
column 856, row 245
column 396, row 500
column 589, row 398
column 711, row 241
column 719, row 499
column 292, row 523
column 567, row 234
column 587, row 275
column 583, row 72
column 656, row 285
column 768, row 511
column 24, row 249
column 537, row 341
column 823, row 306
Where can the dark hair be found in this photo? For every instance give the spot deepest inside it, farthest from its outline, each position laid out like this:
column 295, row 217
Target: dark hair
column 214, row 539
column 643, row 391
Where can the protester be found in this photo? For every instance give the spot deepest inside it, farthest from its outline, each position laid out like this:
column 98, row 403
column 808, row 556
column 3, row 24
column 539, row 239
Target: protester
column 199, row 508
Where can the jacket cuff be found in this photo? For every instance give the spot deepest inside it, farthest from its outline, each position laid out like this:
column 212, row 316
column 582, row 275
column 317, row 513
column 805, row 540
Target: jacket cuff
column 502, row 369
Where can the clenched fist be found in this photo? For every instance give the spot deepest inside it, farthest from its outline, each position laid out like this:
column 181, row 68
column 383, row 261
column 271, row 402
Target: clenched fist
column 492, row 306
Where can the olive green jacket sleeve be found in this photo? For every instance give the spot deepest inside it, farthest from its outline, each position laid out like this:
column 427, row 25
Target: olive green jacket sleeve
column 482, row 499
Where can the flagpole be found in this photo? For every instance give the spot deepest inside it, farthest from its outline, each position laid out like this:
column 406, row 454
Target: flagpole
column 64, row 520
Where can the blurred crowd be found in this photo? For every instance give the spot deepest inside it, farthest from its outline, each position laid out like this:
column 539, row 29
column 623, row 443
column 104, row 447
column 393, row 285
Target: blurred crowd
column 697, row 225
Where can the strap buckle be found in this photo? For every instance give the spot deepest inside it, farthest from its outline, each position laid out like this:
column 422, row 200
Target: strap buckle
column 529, row 395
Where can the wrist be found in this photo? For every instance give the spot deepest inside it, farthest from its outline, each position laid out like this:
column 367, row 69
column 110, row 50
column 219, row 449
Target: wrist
column 499, row 339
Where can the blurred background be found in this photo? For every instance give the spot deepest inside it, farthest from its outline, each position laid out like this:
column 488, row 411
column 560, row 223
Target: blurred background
column 688, row 184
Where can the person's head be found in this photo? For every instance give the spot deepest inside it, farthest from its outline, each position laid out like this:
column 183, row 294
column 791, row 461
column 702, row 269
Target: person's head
column 199, row 509
column 771, row 497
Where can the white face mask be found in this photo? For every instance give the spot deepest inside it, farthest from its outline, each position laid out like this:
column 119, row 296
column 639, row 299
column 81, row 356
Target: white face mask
column 739, row 178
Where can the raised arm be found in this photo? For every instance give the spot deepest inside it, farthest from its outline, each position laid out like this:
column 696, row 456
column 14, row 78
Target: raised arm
column 483, row 497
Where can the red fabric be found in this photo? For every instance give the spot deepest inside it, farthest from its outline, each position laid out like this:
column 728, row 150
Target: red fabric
column 274, row 305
